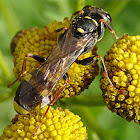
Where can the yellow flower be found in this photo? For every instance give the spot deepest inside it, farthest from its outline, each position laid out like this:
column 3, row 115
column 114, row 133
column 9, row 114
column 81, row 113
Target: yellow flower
column 123, row 66
column 41, row 42
column 57, row 125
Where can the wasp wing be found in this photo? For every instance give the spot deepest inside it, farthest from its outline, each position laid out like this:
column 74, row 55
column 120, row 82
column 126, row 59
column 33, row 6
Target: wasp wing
column 66, row 52
column 46, row 77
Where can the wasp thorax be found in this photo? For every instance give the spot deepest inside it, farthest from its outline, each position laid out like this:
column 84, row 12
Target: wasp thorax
column 85, row 26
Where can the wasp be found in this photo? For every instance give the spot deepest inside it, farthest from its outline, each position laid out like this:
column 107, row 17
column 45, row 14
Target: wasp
column 86, row 29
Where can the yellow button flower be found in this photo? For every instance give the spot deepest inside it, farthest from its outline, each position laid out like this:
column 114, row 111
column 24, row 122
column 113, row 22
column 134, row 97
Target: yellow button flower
column 68, row 126
column 125, row 75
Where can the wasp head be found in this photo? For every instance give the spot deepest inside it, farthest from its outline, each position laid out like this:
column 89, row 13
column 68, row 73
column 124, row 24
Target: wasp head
column 91, row 20
column 100, row 17
column 96, row 13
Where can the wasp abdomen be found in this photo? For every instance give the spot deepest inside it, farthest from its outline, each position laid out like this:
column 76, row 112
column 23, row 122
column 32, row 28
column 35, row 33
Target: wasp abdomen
column 27, row 96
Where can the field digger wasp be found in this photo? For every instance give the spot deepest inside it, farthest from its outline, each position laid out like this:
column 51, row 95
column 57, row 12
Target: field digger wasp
column 85, row 30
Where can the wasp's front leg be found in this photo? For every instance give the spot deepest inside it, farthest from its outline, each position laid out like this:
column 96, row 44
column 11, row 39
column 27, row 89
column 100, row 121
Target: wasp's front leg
column 57, row 31
column 40, row 59
column 76, row 13
column 102, row 21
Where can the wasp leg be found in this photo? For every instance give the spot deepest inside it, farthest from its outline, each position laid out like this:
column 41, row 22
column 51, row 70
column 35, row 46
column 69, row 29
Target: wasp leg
column 55, row 97
column 106, row 73
column 66, row 76
column 103, row 22
column 40, row 59
column 23, row 71
column 92, row 59
column 86, row 61
column 57, row 30
column 60, row 29
column 76, row 13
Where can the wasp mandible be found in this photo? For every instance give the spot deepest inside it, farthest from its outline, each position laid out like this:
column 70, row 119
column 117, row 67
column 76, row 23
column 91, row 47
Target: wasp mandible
column 85, row 30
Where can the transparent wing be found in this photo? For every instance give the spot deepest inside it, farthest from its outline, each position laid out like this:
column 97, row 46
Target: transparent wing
column 47, row 76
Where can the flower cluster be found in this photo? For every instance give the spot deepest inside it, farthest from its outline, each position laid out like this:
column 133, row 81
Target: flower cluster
column 123, row 66
column 57, row 125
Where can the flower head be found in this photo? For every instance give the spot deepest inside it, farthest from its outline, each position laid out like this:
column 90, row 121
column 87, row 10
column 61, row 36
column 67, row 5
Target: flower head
column 57, row 125
column 123, row 66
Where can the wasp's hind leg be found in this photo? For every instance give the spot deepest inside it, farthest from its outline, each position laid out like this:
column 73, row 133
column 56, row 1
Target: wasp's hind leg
column 40, row 59
column 54, row 98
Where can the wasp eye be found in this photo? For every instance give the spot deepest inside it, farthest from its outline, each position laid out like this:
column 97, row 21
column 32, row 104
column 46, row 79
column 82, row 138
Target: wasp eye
column 108, row 17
